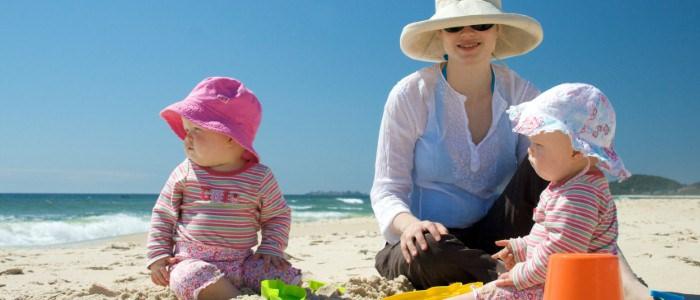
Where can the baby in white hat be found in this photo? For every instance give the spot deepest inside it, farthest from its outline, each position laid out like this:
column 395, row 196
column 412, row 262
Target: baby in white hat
column 571, row 128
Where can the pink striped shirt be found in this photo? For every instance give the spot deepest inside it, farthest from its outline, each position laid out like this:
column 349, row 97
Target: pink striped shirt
column 578, row 216
column 219, row 209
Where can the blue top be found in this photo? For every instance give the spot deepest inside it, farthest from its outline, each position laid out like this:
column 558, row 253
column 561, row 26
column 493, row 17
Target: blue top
column 427, row 162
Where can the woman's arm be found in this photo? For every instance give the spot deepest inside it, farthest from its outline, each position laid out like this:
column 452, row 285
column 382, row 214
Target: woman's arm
column 402, row 123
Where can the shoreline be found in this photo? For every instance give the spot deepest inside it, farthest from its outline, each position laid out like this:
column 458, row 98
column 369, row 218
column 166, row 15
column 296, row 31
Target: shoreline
column 659, row 237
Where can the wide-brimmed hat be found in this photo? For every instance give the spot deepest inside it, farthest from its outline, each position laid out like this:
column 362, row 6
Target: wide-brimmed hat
column 219, row 104
column 582, row 112
column 518, row 33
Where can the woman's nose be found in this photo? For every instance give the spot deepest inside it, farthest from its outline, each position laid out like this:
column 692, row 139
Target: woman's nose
column 468, row 30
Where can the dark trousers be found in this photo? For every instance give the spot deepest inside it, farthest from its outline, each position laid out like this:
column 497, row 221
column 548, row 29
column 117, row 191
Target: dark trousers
column 464, row 255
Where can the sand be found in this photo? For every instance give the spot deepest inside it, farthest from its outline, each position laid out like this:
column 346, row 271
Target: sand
column 660, row 237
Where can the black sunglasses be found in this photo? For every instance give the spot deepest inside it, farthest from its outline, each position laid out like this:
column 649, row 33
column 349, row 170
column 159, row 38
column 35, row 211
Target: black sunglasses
column 478, row 27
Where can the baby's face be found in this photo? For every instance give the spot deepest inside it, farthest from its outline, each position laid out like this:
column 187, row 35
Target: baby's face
column 209, row 148
column 552, row 156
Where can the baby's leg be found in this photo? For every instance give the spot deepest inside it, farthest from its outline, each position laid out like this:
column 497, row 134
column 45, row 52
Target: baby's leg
column 491, row 291
column 467, row 296
column 196, row 279
column 221, row 289
column 631, row 286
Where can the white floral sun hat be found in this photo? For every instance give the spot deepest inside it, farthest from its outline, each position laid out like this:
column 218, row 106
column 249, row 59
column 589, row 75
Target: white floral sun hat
column 518, row 34
column 579, row 110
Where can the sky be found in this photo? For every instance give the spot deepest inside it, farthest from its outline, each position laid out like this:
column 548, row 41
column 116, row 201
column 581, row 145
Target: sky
column 82, row 83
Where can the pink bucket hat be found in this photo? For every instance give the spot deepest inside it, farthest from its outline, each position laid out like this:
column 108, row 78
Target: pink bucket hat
column 579, row 110
column 219, row 104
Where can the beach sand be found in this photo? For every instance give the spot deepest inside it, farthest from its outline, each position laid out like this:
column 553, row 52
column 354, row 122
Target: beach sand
column 660, row 238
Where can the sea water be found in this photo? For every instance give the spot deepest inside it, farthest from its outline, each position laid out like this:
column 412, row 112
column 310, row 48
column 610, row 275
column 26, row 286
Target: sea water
column 48, row 219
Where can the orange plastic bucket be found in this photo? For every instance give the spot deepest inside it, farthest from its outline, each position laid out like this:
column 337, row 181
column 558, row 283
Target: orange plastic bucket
column 583, row 276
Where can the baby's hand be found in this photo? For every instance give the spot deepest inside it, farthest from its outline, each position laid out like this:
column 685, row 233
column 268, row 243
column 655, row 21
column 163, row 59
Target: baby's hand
column 160, row 273
column 505, row 255
column 504, row 280
column 276, row 261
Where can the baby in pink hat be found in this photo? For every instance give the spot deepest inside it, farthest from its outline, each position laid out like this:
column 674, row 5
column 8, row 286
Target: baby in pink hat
column 207, row 217
column 571, row 128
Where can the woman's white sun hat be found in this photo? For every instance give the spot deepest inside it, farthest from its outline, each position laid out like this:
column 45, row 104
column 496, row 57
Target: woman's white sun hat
column 518, row 34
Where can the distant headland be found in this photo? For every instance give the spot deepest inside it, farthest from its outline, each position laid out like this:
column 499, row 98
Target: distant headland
column 653, row 185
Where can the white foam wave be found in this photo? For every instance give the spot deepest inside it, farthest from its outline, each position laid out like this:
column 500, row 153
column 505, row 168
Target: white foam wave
column 305, row 216
column 300, row 207
column 37, row 233
column 346, row 208
column 351, row 200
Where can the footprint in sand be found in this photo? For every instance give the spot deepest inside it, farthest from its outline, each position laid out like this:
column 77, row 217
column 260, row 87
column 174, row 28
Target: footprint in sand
column 97, row 289
column 126, row 279
column 12, row 271
column 686, row 260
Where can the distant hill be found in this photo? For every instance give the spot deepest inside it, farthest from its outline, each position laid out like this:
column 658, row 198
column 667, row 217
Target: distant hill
column 635, row 185
column 653, row 185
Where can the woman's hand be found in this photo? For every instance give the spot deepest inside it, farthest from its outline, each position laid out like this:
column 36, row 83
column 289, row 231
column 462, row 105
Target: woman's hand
column 160, row 271
column 505, row 255
column 412, row 234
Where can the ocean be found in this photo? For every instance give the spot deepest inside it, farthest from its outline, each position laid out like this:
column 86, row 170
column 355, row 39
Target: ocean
column 49, row 219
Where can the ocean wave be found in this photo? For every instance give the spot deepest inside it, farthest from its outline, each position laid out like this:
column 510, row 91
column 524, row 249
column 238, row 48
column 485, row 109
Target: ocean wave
column 49, row 232
column 301, row 207
column 355, row 208
column 351, row 200
column 307, row 216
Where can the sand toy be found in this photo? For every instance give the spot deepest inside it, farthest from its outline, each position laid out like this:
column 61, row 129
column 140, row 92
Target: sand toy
column 437, row 292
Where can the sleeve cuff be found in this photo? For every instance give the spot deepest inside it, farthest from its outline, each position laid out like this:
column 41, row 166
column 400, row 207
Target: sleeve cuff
column 386, row 217
column 519, row 279
column 519, row 248
column 154, row 259
column 269, row 251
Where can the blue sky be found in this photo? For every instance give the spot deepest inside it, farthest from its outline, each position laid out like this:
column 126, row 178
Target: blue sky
column 82, row 82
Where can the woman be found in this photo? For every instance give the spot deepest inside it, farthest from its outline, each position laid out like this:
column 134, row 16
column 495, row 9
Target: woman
column 450, row 176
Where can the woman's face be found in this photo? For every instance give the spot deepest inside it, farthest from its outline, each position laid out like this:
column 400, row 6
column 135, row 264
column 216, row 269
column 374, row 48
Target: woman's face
column 469, row 45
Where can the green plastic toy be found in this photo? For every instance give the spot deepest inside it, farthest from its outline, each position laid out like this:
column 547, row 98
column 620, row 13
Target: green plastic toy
column 438, row 292
column 273, row 289
column 314, row 285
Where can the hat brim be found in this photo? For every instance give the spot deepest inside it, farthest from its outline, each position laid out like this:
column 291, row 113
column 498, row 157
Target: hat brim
column 519, row 34
column 528, row 123
column 174, row 113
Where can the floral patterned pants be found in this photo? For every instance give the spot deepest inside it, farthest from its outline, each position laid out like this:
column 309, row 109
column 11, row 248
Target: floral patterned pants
column 491, row 291
column 200, row 265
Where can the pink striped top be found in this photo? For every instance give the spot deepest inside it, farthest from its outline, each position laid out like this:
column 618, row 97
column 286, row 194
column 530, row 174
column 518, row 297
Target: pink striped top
column 577, row 216
column 219, row 209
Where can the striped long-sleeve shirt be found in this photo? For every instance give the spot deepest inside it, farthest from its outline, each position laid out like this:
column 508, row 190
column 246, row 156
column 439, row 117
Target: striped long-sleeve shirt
column 577, row 216
column 219, row 209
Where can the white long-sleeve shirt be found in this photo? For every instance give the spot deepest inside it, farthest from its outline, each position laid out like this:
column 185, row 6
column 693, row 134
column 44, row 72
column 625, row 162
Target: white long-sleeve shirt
column 426, row 161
